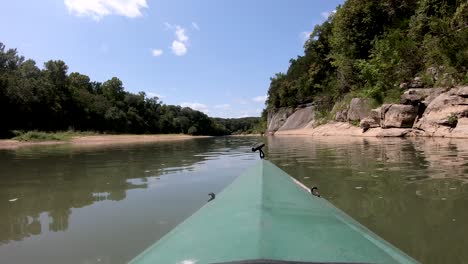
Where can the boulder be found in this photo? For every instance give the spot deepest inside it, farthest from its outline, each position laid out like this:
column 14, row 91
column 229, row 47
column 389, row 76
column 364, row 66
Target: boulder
column 383, row 109
column 426, row 95
column 341, row 116
column 461, row 130
column 416, row 83
column 376, row 114
column 367, row 123
column 388, row 132
column 399, row 116
column 372, row 121
column 359, row 108
column 443, row 113
column 462, row 91
column 411, row 99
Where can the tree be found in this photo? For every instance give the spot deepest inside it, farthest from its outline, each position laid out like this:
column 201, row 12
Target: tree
column 113, row 89
column 192, row 130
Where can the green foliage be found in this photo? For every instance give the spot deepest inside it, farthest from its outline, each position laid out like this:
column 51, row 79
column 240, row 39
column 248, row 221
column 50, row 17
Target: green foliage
column 50, row 99
column 354, row 123
column 453, row 120
column 48, row 136
column 340, row 105
column 391, row 97
column 192, row 130
column 235, row 126
column 368, row 48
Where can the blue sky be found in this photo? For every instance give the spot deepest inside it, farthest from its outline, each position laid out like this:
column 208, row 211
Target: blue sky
column 216, row 56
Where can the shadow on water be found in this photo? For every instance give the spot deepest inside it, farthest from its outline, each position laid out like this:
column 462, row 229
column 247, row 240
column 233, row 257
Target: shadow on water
column 412, row 192
column 41, row 188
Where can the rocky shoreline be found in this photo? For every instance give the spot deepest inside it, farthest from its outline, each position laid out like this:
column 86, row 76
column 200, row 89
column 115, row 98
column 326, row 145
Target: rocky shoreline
column 426, row 112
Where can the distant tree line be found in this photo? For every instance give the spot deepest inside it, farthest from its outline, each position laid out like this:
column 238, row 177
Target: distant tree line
column 50, row 99
column 369, row 47
column 234, row 126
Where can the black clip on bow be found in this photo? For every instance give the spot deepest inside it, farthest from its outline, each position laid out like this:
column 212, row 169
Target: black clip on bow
column 314, row 191
column 259, row 147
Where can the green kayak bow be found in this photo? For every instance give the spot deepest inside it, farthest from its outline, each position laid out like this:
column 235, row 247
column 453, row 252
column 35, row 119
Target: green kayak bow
column 265, row 217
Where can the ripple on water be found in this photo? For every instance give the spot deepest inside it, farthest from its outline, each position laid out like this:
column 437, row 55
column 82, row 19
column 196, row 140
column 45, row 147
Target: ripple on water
column 413, row 193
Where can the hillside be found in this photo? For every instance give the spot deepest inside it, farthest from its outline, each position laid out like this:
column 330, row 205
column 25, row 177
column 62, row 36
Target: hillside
column 373, row 51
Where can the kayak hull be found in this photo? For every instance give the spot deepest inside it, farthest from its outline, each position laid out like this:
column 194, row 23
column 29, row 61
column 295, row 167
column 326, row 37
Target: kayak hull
column 264, row 215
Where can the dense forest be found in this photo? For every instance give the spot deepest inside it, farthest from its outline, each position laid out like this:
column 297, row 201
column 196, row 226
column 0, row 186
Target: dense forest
column 373, row 49
column 50, row 99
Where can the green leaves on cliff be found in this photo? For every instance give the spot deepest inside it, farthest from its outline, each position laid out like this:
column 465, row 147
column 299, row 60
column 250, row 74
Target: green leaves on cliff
column 369, row 47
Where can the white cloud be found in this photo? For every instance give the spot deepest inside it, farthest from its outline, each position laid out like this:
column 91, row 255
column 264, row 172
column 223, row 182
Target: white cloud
column 151, row 94
column 223, row 106
column 167, row 26
column 179, row 45
column 178, row 48
column 260, row 99
column 327, row 14
column 157, row 52
column 195, row 26
column 97, row 9
column 196, row 106
column 180, row 34
column 250, row 113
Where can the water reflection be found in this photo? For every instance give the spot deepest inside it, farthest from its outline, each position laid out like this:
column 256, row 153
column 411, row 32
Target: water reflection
column 42, row 188
column 412, row 192
column 104, row 205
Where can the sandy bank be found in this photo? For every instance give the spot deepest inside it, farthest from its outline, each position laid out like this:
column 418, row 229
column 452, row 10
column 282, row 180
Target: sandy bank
column 100, row 140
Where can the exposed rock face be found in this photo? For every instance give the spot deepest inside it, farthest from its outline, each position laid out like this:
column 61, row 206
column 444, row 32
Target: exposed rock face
column 278, row 118
column 388, row 132
column 372, row 121
column 376, row 114
column 439, row 112
column 299, row 119
column 367, row 123
column 416, row 83
column 462, row 91
column 443, row 113
column 420, row 95
column 329, row 129
column 411, row 99
column 461, row 130
column 399, row 116
column 359, row 108
column 341, row 116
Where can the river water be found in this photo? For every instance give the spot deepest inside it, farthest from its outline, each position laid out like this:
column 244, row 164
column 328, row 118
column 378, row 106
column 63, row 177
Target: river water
column 63, row 204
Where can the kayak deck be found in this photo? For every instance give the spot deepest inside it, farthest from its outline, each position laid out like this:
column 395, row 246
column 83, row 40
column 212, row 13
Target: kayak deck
column 264, row 215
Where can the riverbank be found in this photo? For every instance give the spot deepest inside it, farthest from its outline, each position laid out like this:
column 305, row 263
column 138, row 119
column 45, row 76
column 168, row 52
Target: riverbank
column 98, row 140
column 340, row 129
column 424, row 112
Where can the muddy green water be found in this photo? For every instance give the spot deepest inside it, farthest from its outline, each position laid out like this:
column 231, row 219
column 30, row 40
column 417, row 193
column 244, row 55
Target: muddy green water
column 60, row 204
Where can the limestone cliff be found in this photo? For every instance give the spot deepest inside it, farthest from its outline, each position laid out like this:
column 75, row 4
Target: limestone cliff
column 291, row 118
column 433, row 112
